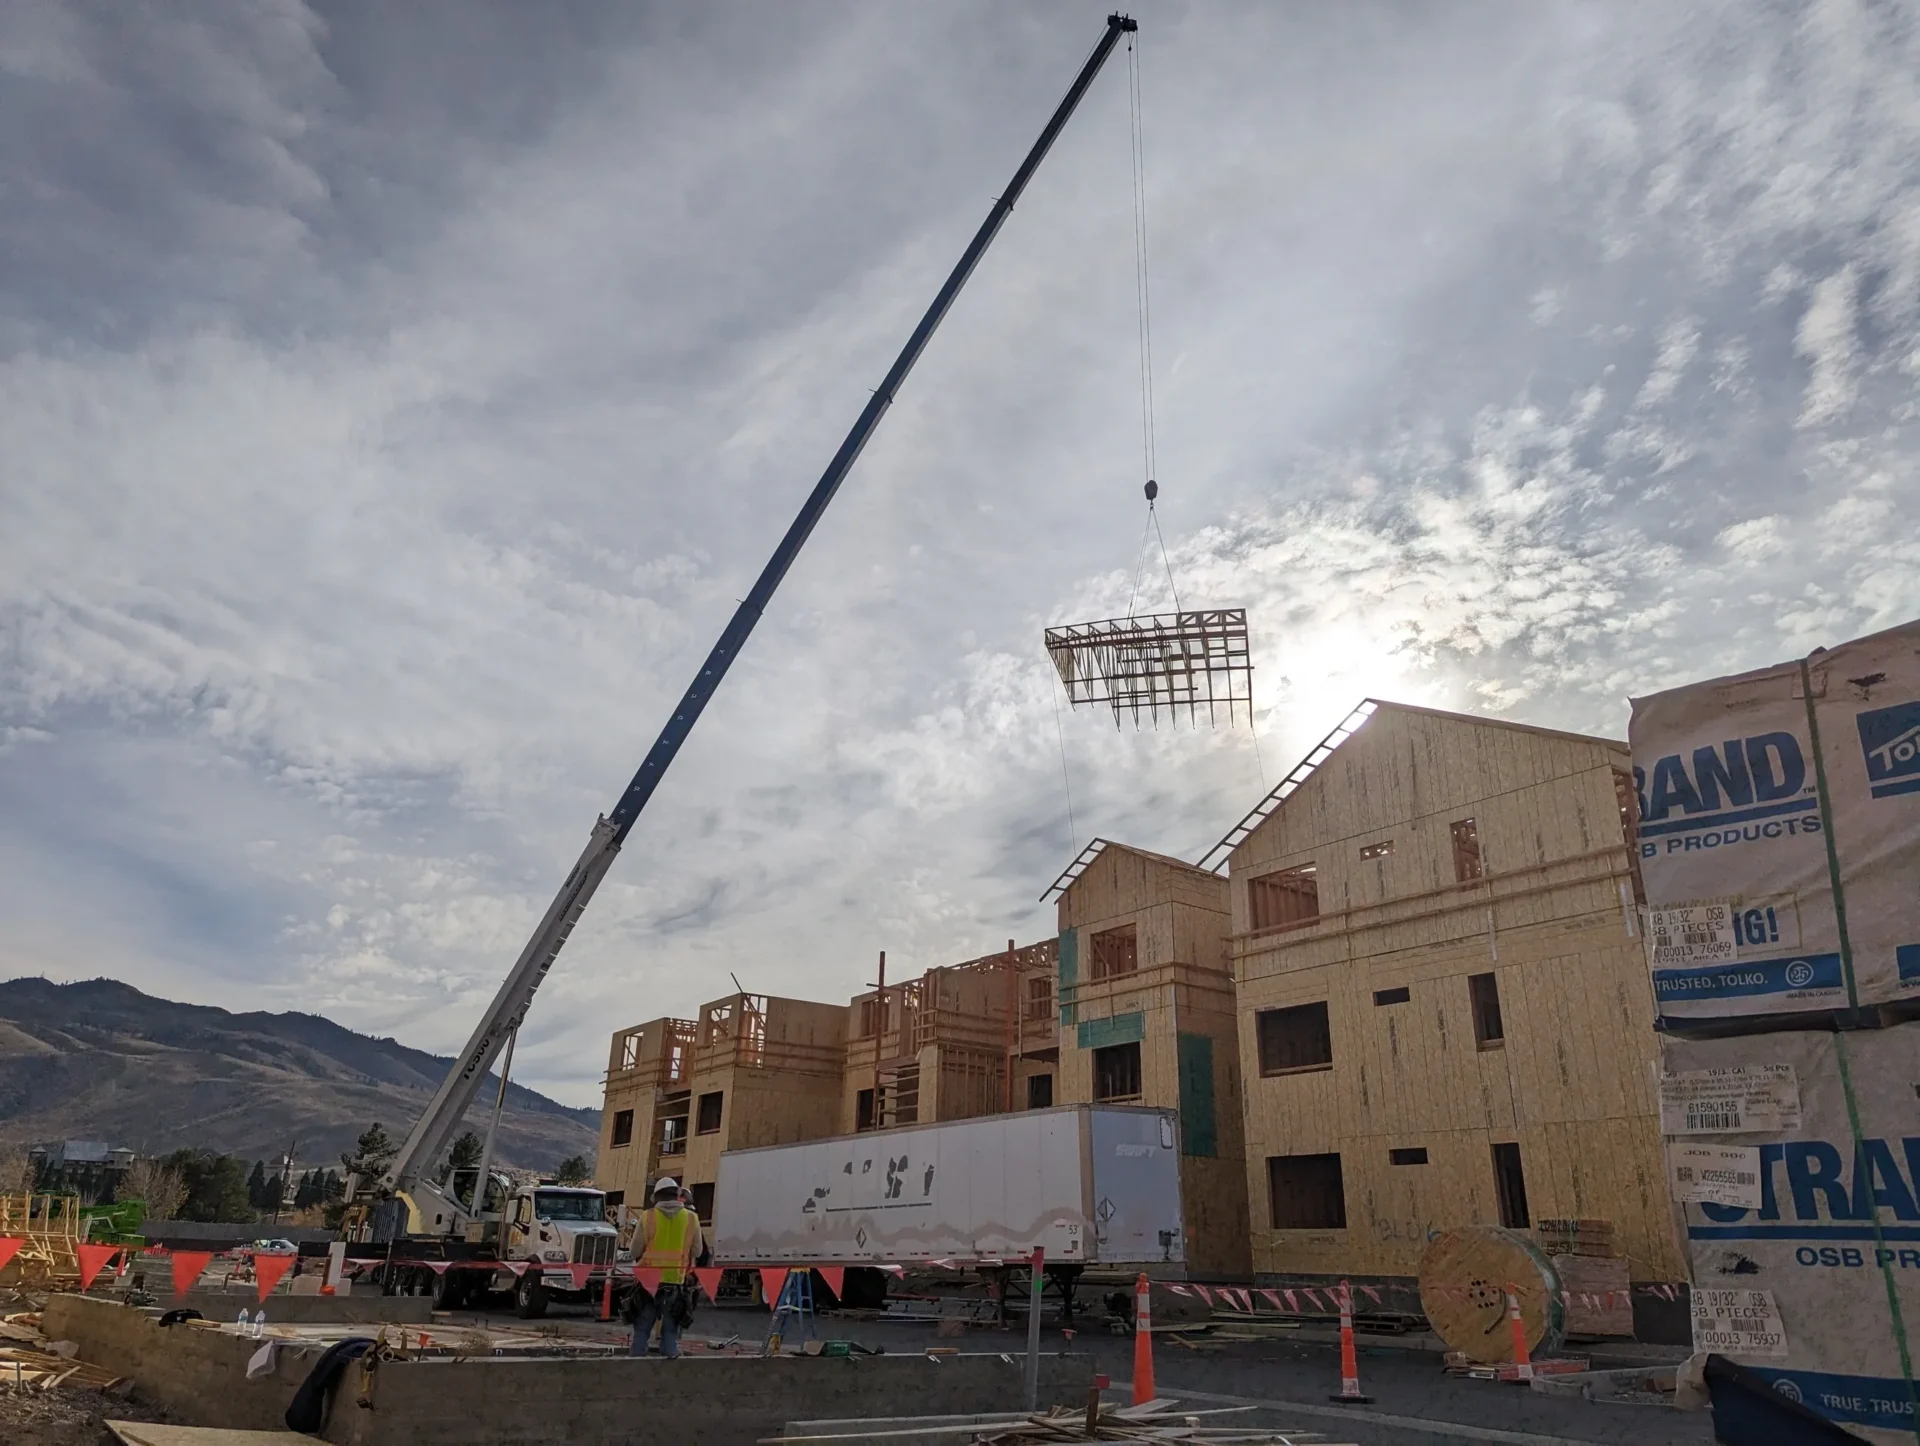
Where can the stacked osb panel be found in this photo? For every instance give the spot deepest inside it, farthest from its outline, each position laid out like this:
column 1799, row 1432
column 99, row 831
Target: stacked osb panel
column 1170, row 994
column 947, row 1043
column 766, row 1071
column 1408, row 916
column 648, row 1069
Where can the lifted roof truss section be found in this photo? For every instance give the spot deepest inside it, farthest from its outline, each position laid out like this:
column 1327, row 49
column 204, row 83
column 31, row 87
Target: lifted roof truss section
column 1172, row 663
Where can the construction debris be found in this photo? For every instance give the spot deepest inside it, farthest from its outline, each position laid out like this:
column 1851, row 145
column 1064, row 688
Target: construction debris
column 1156, row 1420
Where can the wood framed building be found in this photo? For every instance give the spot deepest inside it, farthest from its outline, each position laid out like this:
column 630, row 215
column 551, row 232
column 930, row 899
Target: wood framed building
column 752, row 1069
column 1147, row 1016
column 959, row 1041
column 643, row 1117
column 1444, row 1006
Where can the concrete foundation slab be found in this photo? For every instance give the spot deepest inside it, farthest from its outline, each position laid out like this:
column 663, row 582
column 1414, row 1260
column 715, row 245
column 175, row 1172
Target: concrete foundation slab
column 373, row 1309
column 200, row 1375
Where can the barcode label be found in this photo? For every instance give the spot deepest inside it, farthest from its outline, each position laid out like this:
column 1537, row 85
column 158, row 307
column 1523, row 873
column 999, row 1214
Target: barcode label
column 1691, row 934
column 1715, row 1174
column 1750, row 1099
column 1738, row 1322
column 1712, row 1121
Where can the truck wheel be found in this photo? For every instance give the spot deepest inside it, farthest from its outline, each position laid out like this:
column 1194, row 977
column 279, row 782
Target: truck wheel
column 450, row 1290
column 530, row 1297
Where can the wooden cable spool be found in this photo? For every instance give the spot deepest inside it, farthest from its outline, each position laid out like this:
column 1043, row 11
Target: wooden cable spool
column 1464, row 1277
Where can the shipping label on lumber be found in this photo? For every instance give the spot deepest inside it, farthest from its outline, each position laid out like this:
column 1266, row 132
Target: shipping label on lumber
column 1835, row 1236
column 1738, row 1323
column 1745, row 1099
column 1723, row 1174
column 1728, row 775
column 1691, row 934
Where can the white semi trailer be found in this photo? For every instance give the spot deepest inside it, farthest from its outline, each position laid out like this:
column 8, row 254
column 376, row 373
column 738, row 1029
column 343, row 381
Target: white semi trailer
column 1088, row 1184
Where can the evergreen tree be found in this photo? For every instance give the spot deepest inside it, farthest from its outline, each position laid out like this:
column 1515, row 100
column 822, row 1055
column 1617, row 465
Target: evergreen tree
column 372, row 1153
column 257, row 1187
column 574, row 1170
column 304, row 1194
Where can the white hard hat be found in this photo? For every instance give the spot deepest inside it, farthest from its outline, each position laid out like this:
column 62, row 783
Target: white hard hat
column 666, row 1185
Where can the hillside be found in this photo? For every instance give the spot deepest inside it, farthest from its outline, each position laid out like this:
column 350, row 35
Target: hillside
column 99, row 1060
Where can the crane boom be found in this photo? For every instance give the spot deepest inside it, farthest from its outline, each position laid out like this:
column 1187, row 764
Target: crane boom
column 450, row 1102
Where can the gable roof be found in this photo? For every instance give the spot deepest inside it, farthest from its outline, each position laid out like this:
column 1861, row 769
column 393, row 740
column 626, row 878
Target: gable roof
column 1070, row 875
column 1215, row 858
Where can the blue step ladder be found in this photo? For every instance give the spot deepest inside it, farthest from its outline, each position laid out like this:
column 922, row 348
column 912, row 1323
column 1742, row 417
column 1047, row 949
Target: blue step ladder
column 792, row 1311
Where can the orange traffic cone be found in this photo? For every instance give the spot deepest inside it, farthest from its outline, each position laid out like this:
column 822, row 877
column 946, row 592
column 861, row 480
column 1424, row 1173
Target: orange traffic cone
column 1349, row 1358
column 1522, row 1361
column 606, row 1296
column 1142, row 1342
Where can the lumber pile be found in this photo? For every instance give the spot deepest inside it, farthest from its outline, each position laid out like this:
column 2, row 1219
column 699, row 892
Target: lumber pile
column 30, row 1362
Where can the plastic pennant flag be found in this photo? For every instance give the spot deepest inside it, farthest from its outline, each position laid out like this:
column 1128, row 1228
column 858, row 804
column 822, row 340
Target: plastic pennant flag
column 1245, row 1297
column 773, row 1280
column 439, row 1267
column 709, row 1278
column 1293, row 1301
column 835, row 1276
column 1201, row 1291
column 1273, row 1299
column 10, row 1245
column 1315, row 1300
column 898, row 1271
column 93, row 1259
column 187, row 1266
column 648, row 1279
column 581, row 1274
column 518, row 1267
column 1372, row 1293
column 1178, row 1289
column 268, row 1269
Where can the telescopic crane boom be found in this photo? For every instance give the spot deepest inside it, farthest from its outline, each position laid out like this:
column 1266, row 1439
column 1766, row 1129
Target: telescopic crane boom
column 449, row 1104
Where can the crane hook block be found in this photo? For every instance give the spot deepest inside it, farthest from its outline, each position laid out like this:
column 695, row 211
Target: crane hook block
column 1153, row 489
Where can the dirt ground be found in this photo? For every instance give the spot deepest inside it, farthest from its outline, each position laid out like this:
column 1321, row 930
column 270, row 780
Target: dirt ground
column 65, row 1417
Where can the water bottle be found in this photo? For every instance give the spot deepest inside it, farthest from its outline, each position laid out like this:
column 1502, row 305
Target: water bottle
column 260, row 1321
column 243, row 1321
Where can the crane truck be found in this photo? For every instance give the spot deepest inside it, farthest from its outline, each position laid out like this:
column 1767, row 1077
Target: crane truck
column 405, row 1219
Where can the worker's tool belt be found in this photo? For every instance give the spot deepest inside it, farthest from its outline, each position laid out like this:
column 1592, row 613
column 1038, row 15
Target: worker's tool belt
column 674, row 1301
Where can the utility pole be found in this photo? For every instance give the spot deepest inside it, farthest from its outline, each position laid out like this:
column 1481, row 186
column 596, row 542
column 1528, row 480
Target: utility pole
column 879, row 1034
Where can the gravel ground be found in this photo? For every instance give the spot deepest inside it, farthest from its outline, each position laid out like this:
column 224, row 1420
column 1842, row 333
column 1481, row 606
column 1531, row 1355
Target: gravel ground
column 66, row 1417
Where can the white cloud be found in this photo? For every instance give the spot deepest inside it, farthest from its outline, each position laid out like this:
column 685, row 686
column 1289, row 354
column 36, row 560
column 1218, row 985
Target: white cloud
column 374, row 485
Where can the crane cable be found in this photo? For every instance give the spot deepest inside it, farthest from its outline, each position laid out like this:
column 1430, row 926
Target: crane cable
column 1149, row 440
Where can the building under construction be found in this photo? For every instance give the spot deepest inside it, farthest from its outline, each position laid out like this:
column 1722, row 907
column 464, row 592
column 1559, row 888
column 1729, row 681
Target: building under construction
column 1406, row 992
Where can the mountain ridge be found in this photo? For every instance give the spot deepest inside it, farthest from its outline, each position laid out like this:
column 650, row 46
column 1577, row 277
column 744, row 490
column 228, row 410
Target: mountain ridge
column 99, row 1059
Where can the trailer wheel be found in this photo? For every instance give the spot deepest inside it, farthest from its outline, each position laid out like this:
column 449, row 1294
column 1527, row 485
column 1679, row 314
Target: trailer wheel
column 530, row 1297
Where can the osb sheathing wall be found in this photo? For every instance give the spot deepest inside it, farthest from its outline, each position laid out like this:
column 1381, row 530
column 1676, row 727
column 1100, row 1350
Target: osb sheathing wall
column 1552, row 920
column 633, row 1087
column 791, row 1093
column 1181, row 988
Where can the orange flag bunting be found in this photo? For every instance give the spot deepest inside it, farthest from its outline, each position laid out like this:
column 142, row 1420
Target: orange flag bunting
column 9, row 1244
column 835, row 1276
column 773, row 1280
column 709, row 1279
column 267, row 1270
column 187, row 1265
column 92, row 1259
column 580, row 1273
column 649, row 1280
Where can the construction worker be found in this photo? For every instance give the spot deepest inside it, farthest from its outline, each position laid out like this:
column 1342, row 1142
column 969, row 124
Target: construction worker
column 666, row 1238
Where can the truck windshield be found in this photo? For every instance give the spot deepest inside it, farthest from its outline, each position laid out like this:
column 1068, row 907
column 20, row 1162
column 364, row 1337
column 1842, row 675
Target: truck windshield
column 558, row 1205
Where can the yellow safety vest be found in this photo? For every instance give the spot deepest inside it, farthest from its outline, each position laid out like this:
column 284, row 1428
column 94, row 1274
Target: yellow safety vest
column 670, row 1243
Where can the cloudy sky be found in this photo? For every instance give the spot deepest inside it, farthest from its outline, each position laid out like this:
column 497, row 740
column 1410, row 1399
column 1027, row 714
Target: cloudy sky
column 394, row 401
